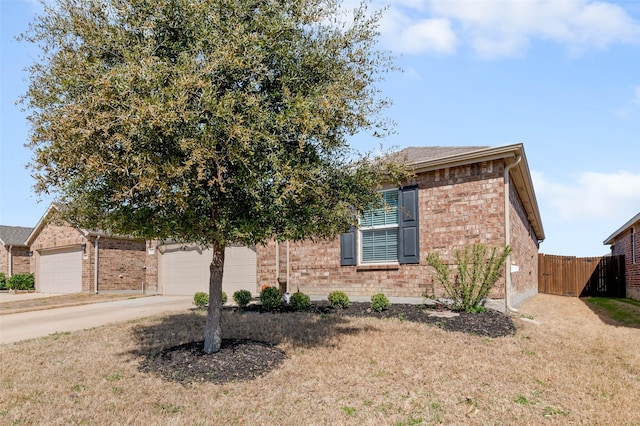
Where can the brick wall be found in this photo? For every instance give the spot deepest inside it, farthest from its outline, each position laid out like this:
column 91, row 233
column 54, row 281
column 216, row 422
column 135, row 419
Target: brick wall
column 21, row 260
column 458, row 207
column 622, row 246
column 151, row 267
column 4, row 260
column 121, row 264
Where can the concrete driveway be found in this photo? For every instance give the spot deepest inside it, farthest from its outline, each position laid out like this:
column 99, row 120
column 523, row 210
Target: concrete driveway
column 29, row 325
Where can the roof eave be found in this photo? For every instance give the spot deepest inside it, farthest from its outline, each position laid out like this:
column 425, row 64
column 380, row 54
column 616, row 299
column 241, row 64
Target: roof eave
column 611, row 238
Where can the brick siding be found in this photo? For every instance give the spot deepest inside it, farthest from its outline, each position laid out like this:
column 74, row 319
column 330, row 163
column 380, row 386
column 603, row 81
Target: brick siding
column 19, row 259
column 458, row 206
column 622, row 246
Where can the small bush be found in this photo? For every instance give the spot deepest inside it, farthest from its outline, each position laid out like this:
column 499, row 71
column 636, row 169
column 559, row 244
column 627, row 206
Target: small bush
column 224, row 298
column 300, row 301
column 270, row 298
column 379, row 302
column 338, row 299
column 242, row 297
column 21, row 282
column 201, row 299
column 3, row 281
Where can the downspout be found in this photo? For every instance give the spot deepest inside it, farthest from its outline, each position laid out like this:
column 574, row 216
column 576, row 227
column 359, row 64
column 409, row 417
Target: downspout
column 10, row 269
column 287, row 289
column 507, row 231
column 277, row 265
column 95, row 265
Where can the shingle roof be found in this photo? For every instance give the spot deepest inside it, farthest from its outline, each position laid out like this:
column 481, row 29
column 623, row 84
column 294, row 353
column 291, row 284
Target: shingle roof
column 612, row 237
column 419, row 154
column 14, row 235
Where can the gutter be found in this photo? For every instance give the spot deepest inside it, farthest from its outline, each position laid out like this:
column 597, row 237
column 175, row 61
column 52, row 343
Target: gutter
column 507, row 232
column 95, row 265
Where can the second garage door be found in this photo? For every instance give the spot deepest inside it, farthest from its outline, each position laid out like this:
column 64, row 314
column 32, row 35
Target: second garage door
column 60, row 271
column 185, row 270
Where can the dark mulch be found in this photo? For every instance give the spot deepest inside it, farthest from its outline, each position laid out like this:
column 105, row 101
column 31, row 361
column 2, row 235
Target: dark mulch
column 242, row 359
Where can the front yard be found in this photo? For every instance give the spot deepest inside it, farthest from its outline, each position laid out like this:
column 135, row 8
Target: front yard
column 564, row 365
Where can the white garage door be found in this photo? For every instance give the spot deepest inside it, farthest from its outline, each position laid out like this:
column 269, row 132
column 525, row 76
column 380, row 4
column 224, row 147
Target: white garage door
column 60, row 271
column 185, row 271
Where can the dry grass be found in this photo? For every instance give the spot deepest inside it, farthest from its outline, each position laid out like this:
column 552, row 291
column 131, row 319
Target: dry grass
column 61, row 300
column 572, row 368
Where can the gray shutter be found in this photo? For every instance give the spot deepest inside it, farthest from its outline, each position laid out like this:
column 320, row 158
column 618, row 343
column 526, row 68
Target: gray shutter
column 408, row 235
column 348, row 248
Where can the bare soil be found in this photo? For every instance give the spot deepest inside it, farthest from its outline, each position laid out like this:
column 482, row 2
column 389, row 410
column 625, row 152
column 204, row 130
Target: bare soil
column 243, row 359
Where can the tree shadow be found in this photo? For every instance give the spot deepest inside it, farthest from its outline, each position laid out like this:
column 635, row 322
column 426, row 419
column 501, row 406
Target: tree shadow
column 606, row 317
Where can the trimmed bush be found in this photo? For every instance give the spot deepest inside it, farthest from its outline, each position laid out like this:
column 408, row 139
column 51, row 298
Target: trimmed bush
column 3, row 281
column 338, row 299
column 242, row 297
column 201, row 299
column 270, row 298
column 379, row 302
column 300, row 301
column 21, row 282
column 224, row 298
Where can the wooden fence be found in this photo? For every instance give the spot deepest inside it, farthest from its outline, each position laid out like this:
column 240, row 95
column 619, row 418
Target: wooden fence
column 581, row 276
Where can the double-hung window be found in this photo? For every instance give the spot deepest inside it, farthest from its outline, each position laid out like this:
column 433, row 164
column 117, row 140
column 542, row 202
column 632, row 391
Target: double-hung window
column 379, row 231
column 386, row 234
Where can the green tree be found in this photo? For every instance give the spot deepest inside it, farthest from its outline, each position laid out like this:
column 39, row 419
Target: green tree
column 207, row 121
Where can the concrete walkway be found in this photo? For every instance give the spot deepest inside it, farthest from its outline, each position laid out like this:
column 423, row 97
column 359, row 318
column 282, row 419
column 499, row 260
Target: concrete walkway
column 30, row 325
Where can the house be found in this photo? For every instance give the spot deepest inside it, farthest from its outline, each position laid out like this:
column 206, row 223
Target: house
column 66, row 259
column 14, row 251
column 624, row 242
column 459, row 196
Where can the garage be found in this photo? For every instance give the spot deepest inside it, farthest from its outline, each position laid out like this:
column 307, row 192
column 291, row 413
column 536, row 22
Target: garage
column 60, row 270
column 184, row 270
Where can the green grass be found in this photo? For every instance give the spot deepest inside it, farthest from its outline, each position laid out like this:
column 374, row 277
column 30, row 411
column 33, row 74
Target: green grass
column 624, row 311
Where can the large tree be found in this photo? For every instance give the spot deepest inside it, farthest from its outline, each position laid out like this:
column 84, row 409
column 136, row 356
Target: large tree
column 206, row 121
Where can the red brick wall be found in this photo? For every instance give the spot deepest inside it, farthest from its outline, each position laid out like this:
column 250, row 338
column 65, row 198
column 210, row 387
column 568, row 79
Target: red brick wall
column 21, row 260
column 4, row 260
column 622, row 246
column 121, row 264
column 458, row 206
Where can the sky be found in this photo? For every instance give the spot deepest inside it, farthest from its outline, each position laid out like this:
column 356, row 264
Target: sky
column 562, row 77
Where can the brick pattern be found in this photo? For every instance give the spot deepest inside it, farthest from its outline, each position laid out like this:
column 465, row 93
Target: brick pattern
column 458, row 206
column 622, row 246
column 19, row 258
column 524, row 245
column 121, row 262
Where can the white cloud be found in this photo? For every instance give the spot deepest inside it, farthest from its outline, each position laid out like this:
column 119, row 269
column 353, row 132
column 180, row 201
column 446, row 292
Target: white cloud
column 611, row 196
column 495, row 28
column 636, row 97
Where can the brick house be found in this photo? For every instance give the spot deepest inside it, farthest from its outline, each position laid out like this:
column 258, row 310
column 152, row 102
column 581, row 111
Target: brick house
column 14, row 251
column 625, row 242
column 66, row 259
column 459, row 196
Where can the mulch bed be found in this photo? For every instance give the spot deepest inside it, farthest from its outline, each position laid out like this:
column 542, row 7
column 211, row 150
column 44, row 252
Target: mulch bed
column 242, row 359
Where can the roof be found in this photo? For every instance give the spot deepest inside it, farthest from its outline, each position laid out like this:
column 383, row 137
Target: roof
column 14, row 235
column 611, row 239
column 429, row 158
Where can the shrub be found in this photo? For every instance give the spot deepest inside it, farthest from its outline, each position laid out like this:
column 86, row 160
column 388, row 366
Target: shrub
column 3, row 281
column 224, row 298
column 242, row 297
column 300, row 301
column 21, row 282
column 338, row 299
column 270, row 298
column 201, row 299
column 475, row 275
column 379, row 302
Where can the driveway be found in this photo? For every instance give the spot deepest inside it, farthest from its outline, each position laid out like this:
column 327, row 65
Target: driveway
column 30, row 325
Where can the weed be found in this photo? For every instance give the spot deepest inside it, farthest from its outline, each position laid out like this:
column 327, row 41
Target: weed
column 350, row 411
column 522, row 400
column 4, row 412
column 526, row 316
column 78, row 388
column 112, row 377
column 528, row 352
column 550, row 411
column 58, row 334
column 170, row 408
column 411, row 421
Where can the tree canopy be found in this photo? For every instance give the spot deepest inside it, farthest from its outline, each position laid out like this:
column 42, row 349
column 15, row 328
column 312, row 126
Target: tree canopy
column 207, row 121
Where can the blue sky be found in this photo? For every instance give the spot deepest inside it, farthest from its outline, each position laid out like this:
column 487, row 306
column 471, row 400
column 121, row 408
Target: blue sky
column 562, row 77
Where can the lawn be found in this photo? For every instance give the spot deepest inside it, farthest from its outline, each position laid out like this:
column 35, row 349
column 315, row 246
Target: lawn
column 564, row 365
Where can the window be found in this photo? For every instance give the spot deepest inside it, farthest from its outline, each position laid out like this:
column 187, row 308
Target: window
column 388, row 234
column 379, row 231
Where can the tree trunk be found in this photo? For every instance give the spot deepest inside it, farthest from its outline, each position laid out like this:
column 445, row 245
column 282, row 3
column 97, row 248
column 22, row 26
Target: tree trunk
column 213, row 329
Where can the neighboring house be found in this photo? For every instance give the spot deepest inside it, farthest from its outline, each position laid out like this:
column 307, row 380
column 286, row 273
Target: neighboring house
column 14, row 251
column 625, row 242
column 66, row 259
column 184, row 269
column 459, row 196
